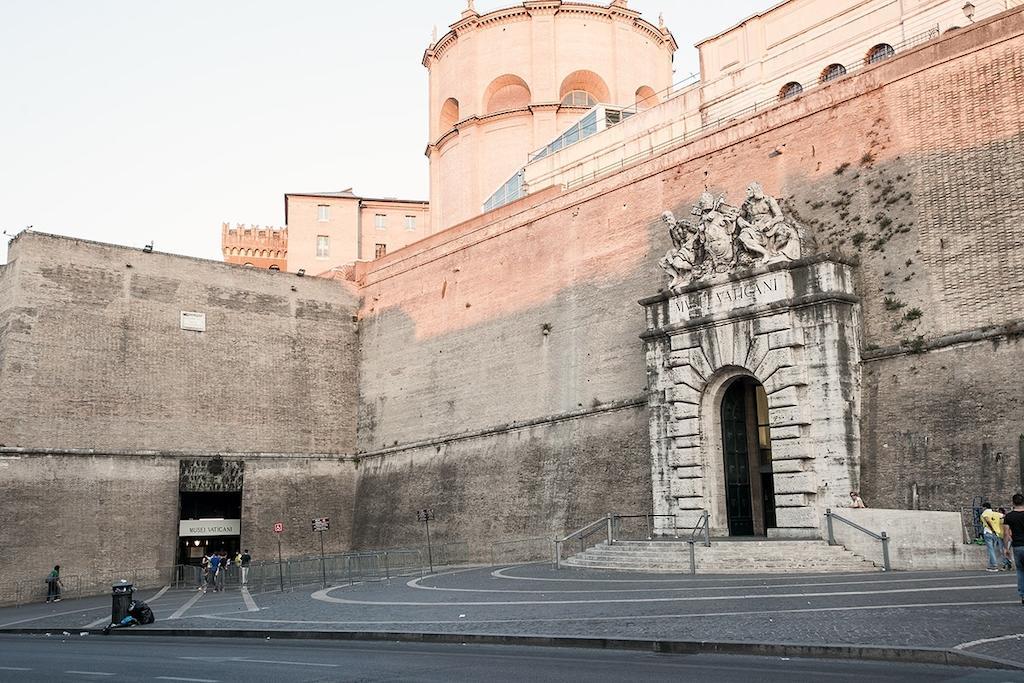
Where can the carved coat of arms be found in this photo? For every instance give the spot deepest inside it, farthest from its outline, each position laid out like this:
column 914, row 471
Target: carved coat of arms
column 723, row 238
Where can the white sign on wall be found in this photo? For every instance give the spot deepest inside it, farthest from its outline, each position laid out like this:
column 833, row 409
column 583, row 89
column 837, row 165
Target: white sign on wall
column 209, row 527
column 190, row 320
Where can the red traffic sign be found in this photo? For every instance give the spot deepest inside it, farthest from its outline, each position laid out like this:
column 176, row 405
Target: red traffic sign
column 278, row 527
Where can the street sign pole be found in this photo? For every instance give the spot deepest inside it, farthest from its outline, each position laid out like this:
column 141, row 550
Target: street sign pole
column 425, row 516
column 278, row 530
column 323, row 566
column 321, row 525
column 430, row 553
column 280, row 563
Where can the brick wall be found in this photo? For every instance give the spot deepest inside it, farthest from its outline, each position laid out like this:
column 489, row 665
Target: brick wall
column 94, row 356
column 101, row 515
column 897, row 167
column 949, row 423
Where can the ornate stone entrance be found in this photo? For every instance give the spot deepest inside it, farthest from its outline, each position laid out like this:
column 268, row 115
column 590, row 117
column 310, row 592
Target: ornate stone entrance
column 787, row 324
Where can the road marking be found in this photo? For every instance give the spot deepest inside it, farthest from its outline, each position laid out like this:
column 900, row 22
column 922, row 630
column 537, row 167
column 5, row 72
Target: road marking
column 14, row 668
column 52, row 614
column 246, row 660
column 184, row 608
column 250, row 604
column 414, row 584
column 623, row 617
column 500, row 574
column 89, row 673
column 983, row 641
column 272, row 661
column 323, row 595
column 194, row 680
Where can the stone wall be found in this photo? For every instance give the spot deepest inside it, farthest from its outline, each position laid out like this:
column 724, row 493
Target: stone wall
column 94, row 356
column 910, row 168
column 945, row 426
column 100, row 515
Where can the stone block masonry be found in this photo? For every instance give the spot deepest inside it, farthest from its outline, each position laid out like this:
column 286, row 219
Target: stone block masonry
column 94, row 354
column 531, row 312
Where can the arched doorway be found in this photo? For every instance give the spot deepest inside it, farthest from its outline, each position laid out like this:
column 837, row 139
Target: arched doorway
column 747, row 455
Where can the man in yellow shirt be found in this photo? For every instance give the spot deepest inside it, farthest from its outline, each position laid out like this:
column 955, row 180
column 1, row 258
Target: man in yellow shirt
column 992, row 523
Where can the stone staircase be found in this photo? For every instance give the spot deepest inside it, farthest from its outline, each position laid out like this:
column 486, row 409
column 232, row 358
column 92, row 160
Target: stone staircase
column 725, row 556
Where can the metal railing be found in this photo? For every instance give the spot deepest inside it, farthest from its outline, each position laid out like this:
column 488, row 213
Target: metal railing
column 615, row 527
column 718, row 121
column 582, row 537
column 882, row 537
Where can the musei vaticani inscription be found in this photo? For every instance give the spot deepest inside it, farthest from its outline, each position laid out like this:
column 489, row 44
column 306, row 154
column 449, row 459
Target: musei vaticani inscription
column 753, row 373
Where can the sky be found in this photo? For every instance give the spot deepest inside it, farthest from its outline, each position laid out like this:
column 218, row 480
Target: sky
column 130, row 121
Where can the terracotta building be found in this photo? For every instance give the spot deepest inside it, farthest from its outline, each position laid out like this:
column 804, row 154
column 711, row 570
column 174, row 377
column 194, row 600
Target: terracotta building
column 331, row 229
column 505, row 83
column 255, row 246
column 326, row 231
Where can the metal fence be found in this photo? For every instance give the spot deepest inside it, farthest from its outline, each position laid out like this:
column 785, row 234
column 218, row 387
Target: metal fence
column 350, row 568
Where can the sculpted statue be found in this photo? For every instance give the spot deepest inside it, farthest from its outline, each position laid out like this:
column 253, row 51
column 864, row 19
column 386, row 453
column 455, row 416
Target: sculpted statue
column 725, row 238
column 679, row 261
column 763, row 228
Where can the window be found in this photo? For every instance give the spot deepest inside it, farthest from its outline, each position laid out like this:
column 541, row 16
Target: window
column 578, row 98
column 380, row 221
column 323, row 246
column 380, row 250
column 832, row 72
column 790, row 90
column 410, row 222
column 322, row 212
column 878, row 53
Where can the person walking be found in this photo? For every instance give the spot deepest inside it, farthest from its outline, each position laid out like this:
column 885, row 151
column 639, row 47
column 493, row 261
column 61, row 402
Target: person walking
column 211, row 575
column 53, row 585
column 222, row 568
column 244, row 560
column 992, row 525
column 1013, row 534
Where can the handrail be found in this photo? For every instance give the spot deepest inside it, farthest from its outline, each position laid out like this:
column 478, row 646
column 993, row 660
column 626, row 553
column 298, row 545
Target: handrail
column 702, row 524
column 883, row 537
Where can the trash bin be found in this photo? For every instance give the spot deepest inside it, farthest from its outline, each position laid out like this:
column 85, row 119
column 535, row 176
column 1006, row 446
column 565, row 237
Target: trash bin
column 121, row 598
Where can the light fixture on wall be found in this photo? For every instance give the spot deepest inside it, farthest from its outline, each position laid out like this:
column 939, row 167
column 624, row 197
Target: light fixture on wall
column 969, row 11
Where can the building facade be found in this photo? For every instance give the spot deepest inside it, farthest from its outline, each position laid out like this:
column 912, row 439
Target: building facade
column 328, row 231
column 850, row 322
column 505, row 83
column 255, row 246
column 777, row 55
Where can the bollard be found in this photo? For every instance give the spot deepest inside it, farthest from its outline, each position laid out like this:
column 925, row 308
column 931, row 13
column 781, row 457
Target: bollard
column 121, row 598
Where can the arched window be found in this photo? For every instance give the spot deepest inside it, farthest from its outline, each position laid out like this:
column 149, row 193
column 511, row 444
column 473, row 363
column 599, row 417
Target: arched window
column 583, row 89
column 505, row 93
column 645, row 97
column 878, row 53
column 832, row 72
column 578, row 98
column 449, row 114
column 791, row 89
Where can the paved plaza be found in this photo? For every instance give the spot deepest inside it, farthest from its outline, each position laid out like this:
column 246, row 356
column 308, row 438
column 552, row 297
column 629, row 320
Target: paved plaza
column 975, row 612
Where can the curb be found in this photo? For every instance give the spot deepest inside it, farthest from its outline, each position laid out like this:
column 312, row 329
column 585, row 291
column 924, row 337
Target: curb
column 910, row 655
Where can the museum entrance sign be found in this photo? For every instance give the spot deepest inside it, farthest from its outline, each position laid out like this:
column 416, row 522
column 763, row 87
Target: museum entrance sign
column 736, row 318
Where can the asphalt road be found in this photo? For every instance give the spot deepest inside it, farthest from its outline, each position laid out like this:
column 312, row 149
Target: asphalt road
column 125, row 658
